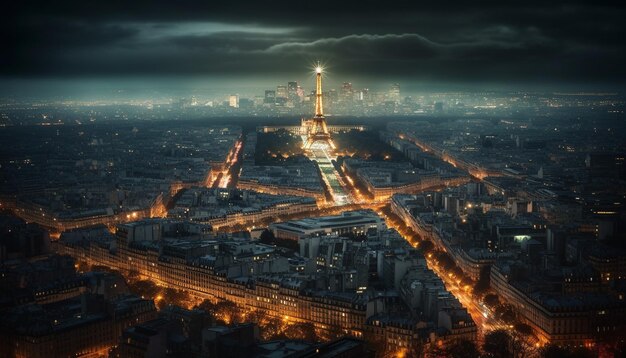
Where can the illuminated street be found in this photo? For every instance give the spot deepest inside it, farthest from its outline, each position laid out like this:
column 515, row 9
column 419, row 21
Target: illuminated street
column 227, row 173
column 319, row 153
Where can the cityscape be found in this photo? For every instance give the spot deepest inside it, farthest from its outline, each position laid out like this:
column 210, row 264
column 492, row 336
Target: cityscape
column 200, row 181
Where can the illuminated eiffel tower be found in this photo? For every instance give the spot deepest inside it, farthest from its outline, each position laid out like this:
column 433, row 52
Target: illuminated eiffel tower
column 316, row 129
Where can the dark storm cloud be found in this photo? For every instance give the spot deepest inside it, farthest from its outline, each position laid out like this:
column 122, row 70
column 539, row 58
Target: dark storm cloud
column 499, row 42
column 471, row 57
column 458, row 41
column 394, row 46
column 227, row 41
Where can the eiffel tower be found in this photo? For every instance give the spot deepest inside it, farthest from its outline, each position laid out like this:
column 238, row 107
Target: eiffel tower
column 316, row 130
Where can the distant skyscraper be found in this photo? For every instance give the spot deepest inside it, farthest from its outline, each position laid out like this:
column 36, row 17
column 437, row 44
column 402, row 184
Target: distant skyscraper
column 281, row 92
column 394, row 92
column 233, row 101
column 347, row 93
column 300, row 93
column 292, row 91
column 270, row 96
column 363, row 95
column 258, row 100
column 331, row 96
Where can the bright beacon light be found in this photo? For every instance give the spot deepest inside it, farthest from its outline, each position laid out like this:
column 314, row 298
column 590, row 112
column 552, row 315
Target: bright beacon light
column 318, row 69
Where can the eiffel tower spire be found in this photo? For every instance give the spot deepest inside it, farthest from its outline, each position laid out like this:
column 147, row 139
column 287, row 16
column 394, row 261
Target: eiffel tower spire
column 319, row 108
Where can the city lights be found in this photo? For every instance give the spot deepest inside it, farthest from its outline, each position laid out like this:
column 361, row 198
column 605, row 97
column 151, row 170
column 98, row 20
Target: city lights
column 198, row 184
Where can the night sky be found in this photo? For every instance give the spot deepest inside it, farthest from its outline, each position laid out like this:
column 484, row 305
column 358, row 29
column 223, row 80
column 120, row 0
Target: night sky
column 501, row 42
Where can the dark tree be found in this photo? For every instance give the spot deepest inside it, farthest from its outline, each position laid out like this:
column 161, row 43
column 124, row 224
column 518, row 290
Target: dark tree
column 523, row 328
column 497, row 344
column 482, row 285
column 207, row 306
column 267, row 237
column 366, row 145
column 170, row 296
column 144, row 288
column 227, row 312
column 426, row 246
column 300, row 330
column 500, row 344
column 506, row 313
column 462, row 349
column 277, row 147
column 491, row 300
column 272, row 329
